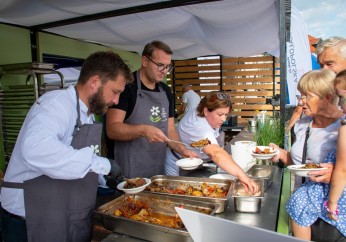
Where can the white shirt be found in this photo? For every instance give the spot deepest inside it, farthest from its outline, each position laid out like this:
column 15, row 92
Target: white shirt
column 43, row 147
column 321, row 142
column 191, row 128
column 191, row 99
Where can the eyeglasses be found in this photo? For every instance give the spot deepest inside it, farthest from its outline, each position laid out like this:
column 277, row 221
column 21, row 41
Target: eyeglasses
column 303, row 98
column 161, row 67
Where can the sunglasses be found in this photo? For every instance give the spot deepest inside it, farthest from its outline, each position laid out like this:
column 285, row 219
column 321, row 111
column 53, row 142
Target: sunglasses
column 220, row 96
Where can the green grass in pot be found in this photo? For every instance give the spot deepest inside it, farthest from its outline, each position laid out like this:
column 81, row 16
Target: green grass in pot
column 270, row 131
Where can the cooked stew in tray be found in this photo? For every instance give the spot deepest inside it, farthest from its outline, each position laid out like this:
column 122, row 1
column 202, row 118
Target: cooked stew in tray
column 205, row 190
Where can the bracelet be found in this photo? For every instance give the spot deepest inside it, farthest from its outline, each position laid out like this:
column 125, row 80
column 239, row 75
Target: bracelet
column 330, row 211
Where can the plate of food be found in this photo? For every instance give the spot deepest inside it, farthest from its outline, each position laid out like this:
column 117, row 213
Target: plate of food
column 304, row 169
column 188, row 163
column 134, row 185
column 263, row 152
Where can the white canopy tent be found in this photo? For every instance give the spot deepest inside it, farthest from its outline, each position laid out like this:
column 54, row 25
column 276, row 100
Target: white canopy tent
column 191, row 28
column 230, row 28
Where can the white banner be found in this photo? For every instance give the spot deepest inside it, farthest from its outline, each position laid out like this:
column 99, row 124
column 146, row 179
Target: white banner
column 298, row 55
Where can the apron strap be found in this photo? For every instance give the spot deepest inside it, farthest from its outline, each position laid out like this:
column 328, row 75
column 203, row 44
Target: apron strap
column 15, row 185
column 139, row 84
column 78, row 122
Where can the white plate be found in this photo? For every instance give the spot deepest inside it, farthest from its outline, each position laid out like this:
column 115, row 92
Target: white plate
column 133, row 190
column 223, row 176
column 263, row 156
column 299, row 171
column 188, row 163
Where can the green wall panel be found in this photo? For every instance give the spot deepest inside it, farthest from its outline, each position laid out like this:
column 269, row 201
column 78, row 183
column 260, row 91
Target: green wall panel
column 58, row 45
column 15, row 47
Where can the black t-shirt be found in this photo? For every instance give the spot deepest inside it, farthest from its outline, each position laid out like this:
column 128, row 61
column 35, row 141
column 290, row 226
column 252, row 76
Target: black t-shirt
column 128, row 97
column 127, row 101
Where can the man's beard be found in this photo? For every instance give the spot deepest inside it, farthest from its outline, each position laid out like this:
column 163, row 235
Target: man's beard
column 97, row 104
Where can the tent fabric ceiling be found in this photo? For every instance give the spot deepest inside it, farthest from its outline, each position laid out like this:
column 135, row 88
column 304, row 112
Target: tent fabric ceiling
column 230, row 27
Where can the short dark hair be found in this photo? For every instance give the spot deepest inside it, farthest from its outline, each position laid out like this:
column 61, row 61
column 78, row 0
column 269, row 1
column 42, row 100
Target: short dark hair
column 156, row 45
column 107, row 65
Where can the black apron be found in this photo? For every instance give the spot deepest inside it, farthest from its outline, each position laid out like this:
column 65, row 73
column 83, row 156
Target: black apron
column 61, row 210
column 139, row 158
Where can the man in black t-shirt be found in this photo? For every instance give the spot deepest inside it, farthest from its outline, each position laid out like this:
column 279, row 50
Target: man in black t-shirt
column 142, row 124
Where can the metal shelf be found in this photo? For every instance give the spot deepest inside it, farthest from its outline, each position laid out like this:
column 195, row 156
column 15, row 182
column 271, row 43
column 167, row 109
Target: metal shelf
column 16, row 100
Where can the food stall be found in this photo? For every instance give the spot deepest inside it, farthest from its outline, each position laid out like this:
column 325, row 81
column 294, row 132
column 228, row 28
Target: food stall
column 263, row 213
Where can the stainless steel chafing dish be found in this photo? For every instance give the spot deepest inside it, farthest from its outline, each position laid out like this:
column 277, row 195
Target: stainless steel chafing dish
column 247, row 203
column 180, row 181
column 159, row 204
column 265, row 172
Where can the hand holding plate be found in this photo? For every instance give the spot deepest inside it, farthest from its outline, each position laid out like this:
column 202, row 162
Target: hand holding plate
column 323, row 175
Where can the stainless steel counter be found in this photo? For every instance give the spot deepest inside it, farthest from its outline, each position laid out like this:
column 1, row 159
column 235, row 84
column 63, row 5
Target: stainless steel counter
column 266, row 218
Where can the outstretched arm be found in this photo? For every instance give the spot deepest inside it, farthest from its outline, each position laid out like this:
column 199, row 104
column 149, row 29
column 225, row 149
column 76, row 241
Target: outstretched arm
column 338, row 181
column 226, row 162
column 118, row 130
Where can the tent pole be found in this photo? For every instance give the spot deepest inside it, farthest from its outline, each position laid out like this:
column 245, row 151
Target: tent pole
column 285, row 9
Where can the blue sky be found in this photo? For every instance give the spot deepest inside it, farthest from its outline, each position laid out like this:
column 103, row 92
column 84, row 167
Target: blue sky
column 323, row 18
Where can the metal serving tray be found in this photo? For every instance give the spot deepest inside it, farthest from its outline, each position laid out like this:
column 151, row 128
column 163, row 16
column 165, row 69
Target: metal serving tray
column 160, row 204
column 265, row 172
column 247, row 203
column 178, row 181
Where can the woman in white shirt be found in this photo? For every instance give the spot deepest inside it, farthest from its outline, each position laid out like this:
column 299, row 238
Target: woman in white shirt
column 205, row 122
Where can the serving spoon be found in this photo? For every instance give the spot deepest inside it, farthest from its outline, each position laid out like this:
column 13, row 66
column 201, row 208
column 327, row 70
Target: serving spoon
column 196, row 147
column 179, row 142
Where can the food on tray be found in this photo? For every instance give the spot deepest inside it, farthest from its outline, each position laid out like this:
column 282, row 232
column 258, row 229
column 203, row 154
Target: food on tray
column 205, row 190
column 311, row 166
column 140, row 211
column 265, row 151
column 241, row 192
column 200, row 143
column 134, row 183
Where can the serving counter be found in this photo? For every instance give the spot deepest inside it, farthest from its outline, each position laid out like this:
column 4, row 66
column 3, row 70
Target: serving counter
column 266, row 218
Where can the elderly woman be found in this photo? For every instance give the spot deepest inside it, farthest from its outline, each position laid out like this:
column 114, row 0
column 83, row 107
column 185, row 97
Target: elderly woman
column 316, row 137
column 205, row 122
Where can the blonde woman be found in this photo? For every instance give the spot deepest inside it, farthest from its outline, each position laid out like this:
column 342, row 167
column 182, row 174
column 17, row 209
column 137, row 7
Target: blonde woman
column 316, row 136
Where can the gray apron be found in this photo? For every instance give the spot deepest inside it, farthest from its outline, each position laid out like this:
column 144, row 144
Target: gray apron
column 61, row 210
column 139, row 158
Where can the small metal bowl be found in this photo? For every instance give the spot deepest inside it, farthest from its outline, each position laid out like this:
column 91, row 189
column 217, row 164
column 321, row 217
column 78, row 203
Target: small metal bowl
column 247, row 203
column 265, row 172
